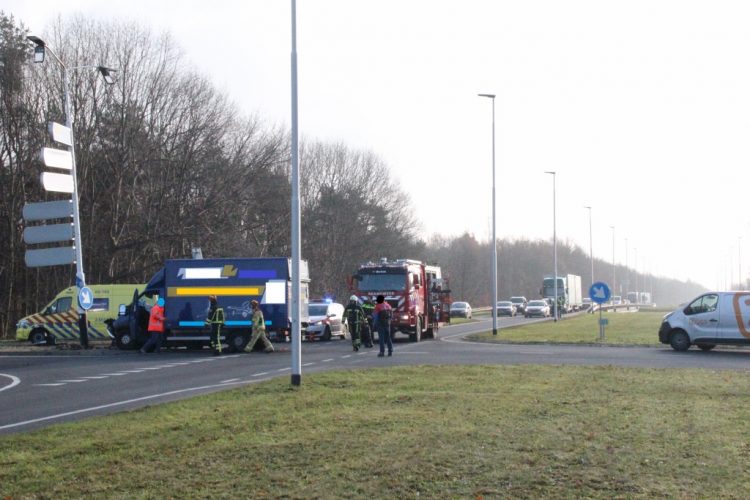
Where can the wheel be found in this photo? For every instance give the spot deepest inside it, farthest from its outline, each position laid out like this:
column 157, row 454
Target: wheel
column 679, row 340
column 326, row 333
column 237, row 341
column 39, row 337
column 125, row 340
column 706, row 347
column 417, row 335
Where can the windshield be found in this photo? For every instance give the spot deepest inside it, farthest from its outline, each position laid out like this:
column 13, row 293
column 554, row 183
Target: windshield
column 504, row 304
column 537, row 303
column 382, row 281
column 459, row 305
column 549, row 287
column 318, row 309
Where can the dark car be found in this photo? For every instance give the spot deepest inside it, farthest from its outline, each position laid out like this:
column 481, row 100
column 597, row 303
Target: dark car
column 520, row 303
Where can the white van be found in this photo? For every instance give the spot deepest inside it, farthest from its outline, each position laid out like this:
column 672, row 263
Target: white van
column 710, row 319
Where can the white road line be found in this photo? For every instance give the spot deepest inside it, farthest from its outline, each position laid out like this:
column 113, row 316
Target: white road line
column 48, row 385
column 259, row 374
column 114, row 374
column 150, row 367
column 308, row 364
column 178, row 364
column 346, row 356
column 111, row 405
column 229, row 380
column 95, row 378
column 283, row 369
column 73, row 381
column 14, row 381
column 132, row 371
column 327, row 360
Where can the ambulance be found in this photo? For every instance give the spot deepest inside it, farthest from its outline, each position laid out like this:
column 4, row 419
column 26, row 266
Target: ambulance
column 708, row 320
column 59, row 319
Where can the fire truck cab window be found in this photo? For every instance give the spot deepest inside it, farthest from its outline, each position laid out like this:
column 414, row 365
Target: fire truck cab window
column 382, row 281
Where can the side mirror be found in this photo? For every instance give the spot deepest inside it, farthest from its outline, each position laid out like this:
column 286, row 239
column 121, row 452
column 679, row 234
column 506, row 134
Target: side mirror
column 122, row 310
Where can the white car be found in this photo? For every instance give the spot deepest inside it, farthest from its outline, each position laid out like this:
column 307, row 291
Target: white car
column 326, row 320
column 537, row 308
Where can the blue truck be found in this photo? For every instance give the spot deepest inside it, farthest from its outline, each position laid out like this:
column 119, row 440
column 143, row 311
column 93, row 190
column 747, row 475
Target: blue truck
column 185, row 285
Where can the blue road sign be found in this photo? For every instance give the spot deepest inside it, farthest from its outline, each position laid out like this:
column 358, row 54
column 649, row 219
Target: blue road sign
column 85, row 298
column 599, row 292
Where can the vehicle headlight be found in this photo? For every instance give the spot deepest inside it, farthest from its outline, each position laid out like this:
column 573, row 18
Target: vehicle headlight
column 404, row 317
column 23, row 324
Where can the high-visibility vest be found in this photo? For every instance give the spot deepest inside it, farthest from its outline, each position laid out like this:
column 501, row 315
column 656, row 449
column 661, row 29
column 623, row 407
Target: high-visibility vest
column 156, row 319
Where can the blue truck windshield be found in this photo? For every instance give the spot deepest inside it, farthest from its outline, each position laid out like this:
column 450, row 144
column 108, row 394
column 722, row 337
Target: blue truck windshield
column 385, row 281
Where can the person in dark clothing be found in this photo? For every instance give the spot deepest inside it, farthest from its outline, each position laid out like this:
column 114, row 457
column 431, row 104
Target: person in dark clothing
column 215, row 320
column 381, row 318
column 357, row 322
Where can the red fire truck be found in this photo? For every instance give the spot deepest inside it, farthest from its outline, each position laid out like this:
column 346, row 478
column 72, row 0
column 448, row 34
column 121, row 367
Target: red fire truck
column 417, row 292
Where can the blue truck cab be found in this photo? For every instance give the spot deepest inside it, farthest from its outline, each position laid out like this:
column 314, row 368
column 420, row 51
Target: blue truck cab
column 185, row 285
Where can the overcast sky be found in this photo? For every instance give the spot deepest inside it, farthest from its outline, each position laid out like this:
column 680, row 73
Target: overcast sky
column 642, row 107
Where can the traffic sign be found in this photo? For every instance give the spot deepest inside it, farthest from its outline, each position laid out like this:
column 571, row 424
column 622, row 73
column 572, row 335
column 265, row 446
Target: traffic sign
column 48, row 233
column 59, row 183
column 57, row 158
column 60, row 133
column 48, row 210
column 57, row 256
column 85, row 298
column 599, row 292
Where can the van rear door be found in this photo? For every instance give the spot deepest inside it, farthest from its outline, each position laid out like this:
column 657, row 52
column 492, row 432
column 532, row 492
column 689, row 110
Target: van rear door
column 735, row 317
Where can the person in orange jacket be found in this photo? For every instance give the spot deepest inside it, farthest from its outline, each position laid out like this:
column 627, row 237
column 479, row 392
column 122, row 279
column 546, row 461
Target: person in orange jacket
column 155, row 327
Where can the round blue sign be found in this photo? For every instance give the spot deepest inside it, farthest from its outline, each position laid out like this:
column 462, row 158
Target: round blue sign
column 599, row 292
column 85, row 298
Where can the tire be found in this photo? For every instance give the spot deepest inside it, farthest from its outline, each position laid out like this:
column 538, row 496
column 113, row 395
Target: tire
column 125, row 340
column 679, row 340
column 417, row 335
column 237, row 341
column 326, row 333
column 39, row 337
column 706, row 347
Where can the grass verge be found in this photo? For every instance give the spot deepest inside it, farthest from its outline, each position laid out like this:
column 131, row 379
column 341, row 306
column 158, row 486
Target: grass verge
column 436, row 432
column 637, row 328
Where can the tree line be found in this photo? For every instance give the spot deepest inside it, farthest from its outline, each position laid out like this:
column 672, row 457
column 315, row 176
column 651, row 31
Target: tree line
column 166, row 162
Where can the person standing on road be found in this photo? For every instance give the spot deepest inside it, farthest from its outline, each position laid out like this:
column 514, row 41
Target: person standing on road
column 259, row 330
column 155, row 327
column 381, row 318
column 369, row 329
column 215, row 320
column 357, row 322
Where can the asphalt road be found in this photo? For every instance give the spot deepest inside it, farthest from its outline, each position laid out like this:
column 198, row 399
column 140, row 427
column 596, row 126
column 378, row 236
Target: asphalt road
column 39, row 390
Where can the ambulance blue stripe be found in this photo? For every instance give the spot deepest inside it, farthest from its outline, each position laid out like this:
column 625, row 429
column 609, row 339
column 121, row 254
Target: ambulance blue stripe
column 238, row 323
column 192, row 323
column 97, row 333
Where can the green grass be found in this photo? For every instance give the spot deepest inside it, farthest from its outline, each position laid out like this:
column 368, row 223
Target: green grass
column 431, row 432
column 637, row 328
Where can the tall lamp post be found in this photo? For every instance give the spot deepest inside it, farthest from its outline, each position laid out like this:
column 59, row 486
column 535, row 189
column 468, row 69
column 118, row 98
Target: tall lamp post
column 614, row 267
column 494, row 226
column 591, row 246
column 296, row 246
column 40, row 50
column 554, row 236
column 739, row 262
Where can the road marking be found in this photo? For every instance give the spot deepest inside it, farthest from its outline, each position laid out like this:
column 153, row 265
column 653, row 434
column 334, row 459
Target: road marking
column 327, row 360
column 229, row 380
column 14, row 381
column 308, row 364
column 132, row 371
column 178, row 364
column 150, row 367
column 96, row 377
column 48, row 385
column 73, row 381
column 346, row 356
column 283, row 369
column 112, row 405
column 259, row 374
column 114, row 374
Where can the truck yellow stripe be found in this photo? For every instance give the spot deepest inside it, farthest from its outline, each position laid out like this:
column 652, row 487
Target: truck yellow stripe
column 205, row 291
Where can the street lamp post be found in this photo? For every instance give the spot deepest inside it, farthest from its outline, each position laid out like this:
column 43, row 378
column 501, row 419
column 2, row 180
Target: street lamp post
column 591, row 246
column 493, row 277
column 614, row 275
column 40, row 50
column 739, row 262
column 296, row 246
column 554, row 236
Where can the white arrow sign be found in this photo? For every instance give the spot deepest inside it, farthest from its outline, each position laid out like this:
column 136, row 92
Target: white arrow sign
column 60, row 133
column 57, row 158
column 59, row 183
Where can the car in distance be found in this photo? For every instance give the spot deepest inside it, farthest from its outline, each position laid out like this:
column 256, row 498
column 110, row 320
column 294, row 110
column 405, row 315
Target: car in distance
column 506, row 308
column 537, row 308
column 326, row 320
column 460, row 310
column 520, row 303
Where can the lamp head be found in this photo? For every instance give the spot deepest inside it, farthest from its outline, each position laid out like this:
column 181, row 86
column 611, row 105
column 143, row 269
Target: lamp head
column 38, row 49
column 107, row 73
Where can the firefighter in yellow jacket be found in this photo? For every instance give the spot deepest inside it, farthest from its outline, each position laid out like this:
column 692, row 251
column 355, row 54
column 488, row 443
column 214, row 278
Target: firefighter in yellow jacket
column 215, row 320
column 259, row 330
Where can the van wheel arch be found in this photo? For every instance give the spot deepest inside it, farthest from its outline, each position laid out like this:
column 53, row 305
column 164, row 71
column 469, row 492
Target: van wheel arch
column 679, row 340
column 40, row 336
